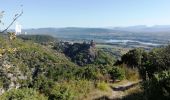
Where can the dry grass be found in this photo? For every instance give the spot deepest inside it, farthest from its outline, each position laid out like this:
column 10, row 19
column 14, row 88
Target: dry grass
column 96, row 93
column 102, row 86
column 131, row 74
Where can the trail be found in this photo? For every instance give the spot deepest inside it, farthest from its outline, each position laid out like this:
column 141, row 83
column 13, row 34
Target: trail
column 118, row 92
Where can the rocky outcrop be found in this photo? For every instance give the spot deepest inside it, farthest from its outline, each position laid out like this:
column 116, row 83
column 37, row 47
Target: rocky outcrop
column 10, row 75
column 80, row 53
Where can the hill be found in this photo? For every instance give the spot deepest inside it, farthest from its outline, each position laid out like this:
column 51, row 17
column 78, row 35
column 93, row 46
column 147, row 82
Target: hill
column 75, row 71
column 35, row 69
column 22, row 62
column 38, row 38
column 85, row 53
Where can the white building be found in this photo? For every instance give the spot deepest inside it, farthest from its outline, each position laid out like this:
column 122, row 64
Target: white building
column 17, row 28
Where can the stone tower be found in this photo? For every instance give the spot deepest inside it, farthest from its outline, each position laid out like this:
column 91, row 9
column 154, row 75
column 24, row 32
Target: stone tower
column 92, row 44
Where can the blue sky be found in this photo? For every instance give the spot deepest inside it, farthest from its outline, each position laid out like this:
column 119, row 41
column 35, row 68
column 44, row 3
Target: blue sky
column 87, row 13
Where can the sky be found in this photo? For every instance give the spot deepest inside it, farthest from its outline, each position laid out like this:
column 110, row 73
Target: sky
column 86, row 13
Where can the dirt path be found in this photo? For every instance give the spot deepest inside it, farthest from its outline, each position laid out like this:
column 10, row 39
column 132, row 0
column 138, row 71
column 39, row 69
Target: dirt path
column 116, row 92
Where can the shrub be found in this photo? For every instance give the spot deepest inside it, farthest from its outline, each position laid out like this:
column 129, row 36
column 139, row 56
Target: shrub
column 158, row 88
column 62, row 92
column 43, row 84
column 71, row 90
column 104, row 58
column 90, row 72
column 117, row 73
column 22, row 94
column 134, row 58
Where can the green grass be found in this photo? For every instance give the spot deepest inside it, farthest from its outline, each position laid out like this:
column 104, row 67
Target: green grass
column 104, row 46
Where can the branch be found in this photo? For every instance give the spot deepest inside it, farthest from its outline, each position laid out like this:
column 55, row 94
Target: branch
column 16, row 17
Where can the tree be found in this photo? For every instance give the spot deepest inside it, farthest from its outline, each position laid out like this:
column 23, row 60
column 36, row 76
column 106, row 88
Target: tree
column 134, row 58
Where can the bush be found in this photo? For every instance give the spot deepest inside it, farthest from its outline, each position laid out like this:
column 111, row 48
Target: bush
column 62, row 72
column 62, row 92
column 104, row 58
column 22, row 94
column 158, row 88
column 90, row 72
column 134, row 58
column 71, row 90
column 43, row 84
column 117, row 73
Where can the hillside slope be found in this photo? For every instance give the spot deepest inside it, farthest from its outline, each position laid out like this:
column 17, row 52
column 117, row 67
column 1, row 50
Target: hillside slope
column 21, row 62
column 35, row 69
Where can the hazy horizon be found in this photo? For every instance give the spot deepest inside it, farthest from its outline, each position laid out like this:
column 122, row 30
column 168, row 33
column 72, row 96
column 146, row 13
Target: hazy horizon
column 107, row 27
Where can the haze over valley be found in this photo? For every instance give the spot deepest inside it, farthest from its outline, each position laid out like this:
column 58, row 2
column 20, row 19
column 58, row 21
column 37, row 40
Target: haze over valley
column 131, row 36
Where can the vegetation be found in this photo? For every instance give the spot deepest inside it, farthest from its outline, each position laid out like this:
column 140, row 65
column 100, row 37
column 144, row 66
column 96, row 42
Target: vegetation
column 70, row 71
column 71, row 90
column 43, row 71
column 117, row 73
column 84, row 53
column 103, row 86
column 154, row 69
column 23, row 94
column 38, row 38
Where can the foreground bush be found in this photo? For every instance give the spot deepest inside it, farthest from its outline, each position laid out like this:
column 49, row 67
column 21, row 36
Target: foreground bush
column 159, row 87
column 72, row 90
column 154, row 70
column 22, row 94
column 117, row 73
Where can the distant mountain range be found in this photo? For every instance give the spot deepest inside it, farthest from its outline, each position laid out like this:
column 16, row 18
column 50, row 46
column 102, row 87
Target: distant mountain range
column 141, row 32
column 79, row 30
column 138, row 28
column 143, row 28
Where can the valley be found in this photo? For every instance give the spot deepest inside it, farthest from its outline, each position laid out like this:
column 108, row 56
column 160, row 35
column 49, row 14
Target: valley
column 84, row 50
column 126, row 37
